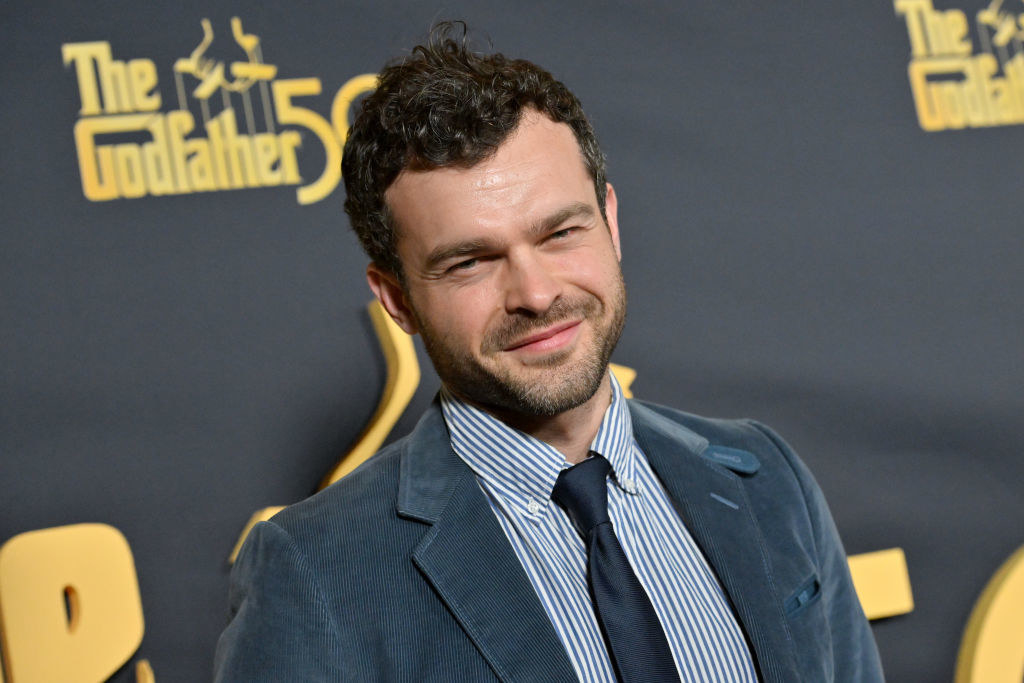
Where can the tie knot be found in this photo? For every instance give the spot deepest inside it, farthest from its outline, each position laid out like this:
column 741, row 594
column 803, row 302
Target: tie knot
column 582, row 491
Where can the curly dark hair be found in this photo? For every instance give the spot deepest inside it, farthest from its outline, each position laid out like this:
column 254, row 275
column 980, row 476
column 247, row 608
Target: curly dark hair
column 445, row 105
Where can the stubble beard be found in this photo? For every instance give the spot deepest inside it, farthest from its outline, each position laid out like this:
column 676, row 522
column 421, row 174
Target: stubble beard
column 551, row 385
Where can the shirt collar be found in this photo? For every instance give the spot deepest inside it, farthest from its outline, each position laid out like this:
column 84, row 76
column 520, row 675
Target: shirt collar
column 520, row 470
column 614, row 439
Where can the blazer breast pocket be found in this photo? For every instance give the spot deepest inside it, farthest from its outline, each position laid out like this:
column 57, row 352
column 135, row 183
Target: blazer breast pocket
column 808, row 622
column 806, row 594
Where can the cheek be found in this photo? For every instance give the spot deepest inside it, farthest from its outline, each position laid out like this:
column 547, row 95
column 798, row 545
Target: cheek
column 461, row 315
column 598, row 273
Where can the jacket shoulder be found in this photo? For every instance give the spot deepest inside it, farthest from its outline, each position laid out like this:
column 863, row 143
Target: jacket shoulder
column 358, row 503
column 740, row 433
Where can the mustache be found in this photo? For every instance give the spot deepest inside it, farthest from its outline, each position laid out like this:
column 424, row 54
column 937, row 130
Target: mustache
column 519, row 325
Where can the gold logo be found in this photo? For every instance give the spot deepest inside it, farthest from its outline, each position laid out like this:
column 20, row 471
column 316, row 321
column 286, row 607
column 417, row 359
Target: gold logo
column 121, row 103
column 955, row 86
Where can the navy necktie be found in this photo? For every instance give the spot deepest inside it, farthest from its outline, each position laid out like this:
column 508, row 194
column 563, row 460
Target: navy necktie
column 632, row 633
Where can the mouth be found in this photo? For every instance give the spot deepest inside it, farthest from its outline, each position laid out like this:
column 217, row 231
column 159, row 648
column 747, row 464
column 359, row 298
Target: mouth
column 550, row 339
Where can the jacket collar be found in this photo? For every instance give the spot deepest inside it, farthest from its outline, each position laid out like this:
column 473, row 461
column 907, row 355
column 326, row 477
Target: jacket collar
column 713, row 504
column 429, row 471
column 466, row 558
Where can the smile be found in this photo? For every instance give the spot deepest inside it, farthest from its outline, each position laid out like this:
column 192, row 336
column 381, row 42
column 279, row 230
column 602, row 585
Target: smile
column 551, row 339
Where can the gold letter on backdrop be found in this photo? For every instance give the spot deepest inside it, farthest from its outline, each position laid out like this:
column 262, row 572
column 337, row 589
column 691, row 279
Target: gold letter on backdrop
column 992, row 650
column 882, row 583
column 343, row 100
column 288, row 113
column 402, row 380
column 70, row 609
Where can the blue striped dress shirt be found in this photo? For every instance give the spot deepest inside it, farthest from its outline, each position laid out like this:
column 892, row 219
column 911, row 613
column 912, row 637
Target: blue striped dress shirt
column 517, row 473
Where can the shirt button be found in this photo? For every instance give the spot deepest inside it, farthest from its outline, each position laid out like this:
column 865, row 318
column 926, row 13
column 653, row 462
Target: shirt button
column 630, row 486
column 533, row 507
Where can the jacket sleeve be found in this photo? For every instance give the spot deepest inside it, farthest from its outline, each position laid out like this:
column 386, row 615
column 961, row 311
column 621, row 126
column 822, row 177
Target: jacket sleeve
column 280, row 627
column 855, row 654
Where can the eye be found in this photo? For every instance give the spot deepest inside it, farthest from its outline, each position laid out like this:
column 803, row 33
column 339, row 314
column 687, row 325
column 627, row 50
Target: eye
column 464, row 265
column 561, row 234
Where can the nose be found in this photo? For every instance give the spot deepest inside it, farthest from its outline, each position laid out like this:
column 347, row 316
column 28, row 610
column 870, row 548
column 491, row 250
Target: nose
column 531, row 287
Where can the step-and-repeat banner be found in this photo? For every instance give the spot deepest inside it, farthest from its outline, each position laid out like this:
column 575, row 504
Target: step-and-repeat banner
column 820, row 211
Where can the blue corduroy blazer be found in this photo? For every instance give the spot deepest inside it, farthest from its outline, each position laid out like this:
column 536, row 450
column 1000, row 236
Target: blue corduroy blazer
column 400, row 571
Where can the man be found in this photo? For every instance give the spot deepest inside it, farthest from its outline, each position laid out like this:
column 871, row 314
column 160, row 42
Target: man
column 473, row 549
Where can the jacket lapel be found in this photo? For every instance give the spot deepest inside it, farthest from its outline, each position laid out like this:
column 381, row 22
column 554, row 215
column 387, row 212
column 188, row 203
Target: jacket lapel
column 468, row 560
column 713, row 505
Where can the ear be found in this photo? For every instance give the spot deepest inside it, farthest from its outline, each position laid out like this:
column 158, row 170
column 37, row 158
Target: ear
column 611, row 212
column 391, row 295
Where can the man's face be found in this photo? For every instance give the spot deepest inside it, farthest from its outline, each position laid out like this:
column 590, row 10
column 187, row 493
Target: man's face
column 511, row 275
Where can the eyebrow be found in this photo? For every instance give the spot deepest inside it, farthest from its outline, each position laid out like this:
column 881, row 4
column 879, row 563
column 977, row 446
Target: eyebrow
column 574, row 210
column 450, row 251
column 446, row 252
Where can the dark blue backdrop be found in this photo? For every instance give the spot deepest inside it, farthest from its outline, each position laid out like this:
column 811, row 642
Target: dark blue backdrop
column 796, row 249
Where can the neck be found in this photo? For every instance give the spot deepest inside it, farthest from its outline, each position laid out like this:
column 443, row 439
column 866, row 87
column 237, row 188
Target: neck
column 571, row 432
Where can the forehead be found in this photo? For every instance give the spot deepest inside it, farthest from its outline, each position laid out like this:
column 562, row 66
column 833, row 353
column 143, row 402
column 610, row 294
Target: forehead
column 537, row 170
